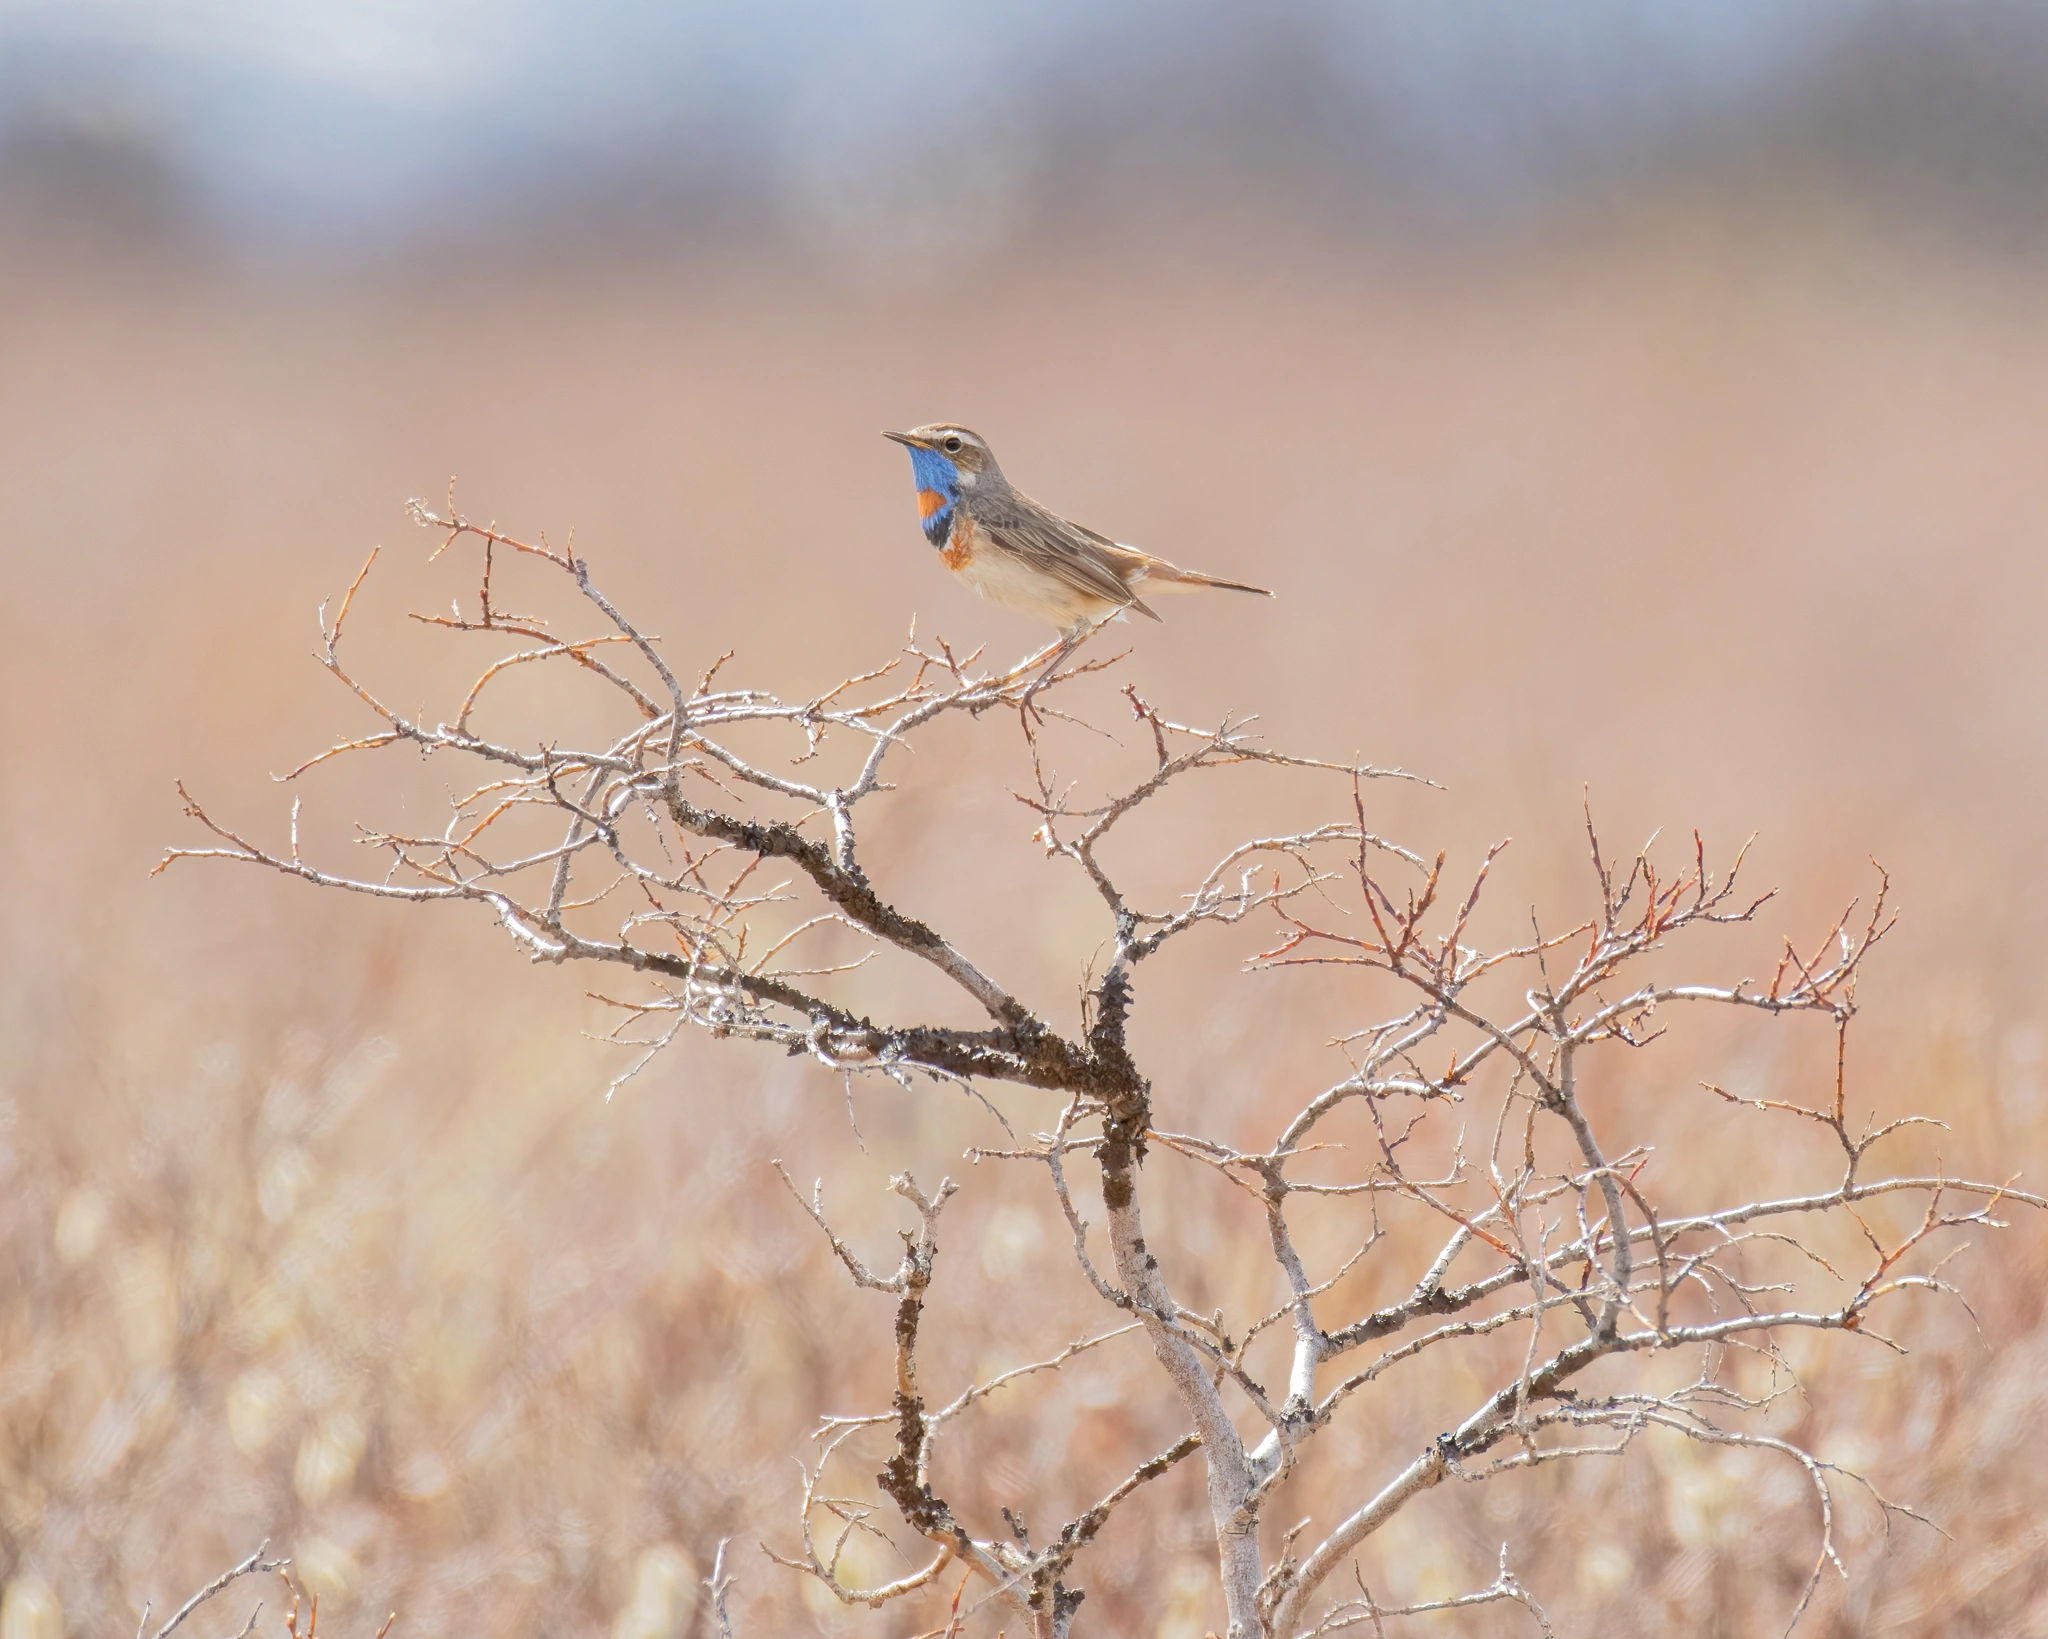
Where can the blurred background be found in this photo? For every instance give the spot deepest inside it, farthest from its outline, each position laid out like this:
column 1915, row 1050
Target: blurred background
column 1625, row 401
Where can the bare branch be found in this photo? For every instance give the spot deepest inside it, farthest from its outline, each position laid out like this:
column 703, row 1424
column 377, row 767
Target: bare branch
column 710, row 846
column 254, row 1565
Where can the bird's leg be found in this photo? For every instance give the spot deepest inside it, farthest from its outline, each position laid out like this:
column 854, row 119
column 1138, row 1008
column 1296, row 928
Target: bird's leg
column 1066, row 646
column 1070, row 640
column 1053, row 651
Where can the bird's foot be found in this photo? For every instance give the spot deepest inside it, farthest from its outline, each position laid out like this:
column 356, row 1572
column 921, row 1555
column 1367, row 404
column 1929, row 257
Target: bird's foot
column 1060, row 651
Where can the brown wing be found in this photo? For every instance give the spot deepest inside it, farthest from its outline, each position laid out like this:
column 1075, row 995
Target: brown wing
column 1086, row 561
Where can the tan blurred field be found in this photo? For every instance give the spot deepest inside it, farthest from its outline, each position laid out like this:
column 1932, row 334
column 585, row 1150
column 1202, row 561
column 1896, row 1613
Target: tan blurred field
column 315, row 1223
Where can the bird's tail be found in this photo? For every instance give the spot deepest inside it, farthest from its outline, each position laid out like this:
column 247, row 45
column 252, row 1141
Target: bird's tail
column 1168, row 577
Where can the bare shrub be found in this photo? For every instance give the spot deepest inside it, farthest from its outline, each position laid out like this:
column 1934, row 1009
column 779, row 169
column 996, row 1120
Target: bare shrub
column 709, row 846
column 253, row 1565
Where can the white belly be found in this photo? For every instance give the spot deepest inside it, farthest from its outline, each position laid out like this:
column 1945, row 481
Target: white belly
column 1009, row 581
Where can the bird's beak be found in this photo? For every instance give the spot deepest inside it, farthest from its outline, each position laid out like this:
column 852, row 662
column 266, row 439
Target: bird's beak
column 905, row 438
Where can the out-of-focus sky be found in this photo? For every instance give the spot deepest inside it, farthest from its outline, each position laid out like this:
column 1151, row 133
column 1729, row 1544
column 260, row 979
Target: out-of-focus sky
column 917, row 123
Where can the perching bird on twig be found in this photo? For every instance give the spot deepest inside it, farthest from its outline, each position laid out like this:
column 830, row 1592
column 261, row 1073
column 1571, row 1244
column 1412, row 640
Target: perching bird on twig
column 1014, row 552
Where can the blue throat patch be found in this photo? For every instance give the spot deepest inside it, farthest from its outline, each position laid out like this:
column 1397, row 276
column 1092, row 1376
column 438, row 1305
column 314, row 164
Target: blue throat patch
column 938, row 477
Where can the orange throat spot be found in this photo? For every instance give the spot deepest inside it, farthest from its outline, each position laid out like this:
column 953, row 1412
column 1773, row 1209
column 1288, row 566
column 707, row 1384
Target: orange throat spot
column 929, row 501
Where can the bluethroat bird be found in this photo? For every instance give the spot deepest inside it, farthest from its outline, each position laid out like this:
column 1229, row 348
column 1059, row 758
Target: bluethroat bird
column 1016, row 553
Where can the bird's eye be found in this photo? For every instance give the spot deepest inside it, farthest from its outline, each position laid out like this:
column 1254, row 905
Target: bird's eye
column 952, row 446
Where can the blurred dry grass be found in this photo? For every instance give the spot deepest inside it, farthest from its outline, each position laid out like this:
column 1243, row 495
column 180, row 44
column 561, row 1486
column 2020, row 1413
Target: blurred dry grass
column 313, row 1223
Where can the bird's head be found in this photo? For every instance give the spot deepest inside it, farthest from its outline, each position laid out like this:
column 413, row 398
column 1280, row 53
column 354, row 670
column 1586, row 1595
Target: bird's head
column 947, row 459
